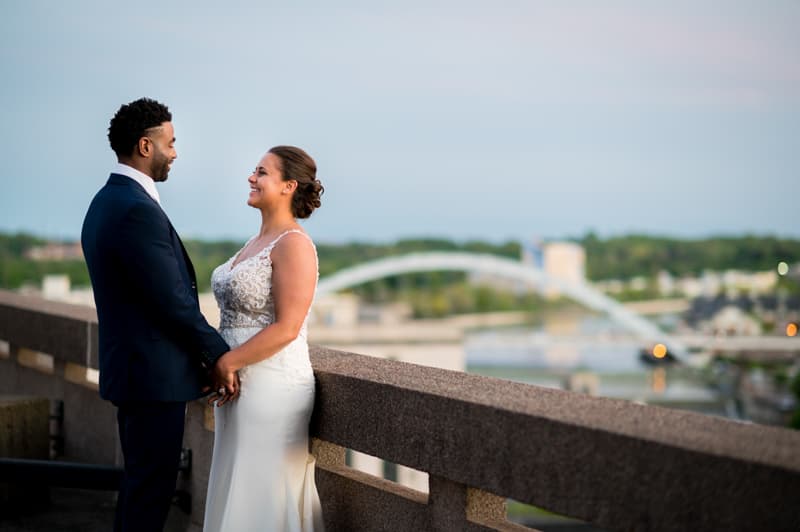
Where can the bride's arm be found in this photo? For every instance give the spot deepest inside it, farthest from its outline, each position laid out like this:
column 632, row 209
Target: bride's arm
column 294, row 277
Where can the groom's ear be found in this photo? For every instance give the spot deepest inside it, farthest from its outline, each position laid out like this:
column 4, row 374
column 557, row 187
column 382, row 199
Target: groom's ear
column 144, row 147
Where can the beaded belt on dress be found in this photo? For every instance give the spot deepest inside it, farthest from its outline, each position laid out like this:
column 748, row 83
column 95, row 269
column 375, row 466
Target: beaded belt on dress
column 231, row 319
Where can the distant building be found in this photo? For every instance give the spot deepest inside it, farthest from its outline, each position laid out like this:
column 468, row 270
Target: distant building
column 334, row 310
column 733, row 321
column 709, row 284
column 665, row 283
column 57, row 287
column 610, row 286
column 386, row 313
column 731, row 282
column 564, row 261
column 638, row 283
column 706, row 313
column 55, row 251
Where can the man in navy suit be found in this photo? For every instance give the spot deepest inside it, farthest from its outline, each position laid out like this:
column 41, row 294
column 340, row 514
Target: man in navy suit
column 156, row 349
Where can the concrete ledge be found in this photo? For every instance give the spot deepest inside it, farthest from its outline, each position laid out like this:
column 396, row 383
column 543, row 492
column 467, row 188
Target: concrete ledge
column 68, row 332
column 613, row 463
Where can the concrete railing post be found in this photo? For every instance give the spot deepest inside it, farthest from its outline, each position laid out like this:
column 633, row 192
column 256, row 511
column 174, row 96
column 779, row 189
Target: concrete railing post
column 24, row 423
column 13, row 351
column 454, row 506
column 448, row 504
column 486, row 508
column 327, row 453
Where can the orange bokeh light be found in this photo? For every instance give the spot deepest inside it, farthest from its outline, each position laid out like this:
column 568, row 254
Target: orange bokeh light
column 791, row 329
column 659, row 350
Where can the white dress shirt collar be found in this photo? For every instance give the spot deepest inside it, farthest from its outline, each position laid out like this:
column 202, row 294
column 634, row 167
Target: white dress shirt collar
column 143, row 179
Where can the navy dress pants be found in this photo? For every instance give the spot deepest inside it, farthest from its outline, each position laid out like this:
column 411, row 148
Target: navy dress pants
column 151, row 435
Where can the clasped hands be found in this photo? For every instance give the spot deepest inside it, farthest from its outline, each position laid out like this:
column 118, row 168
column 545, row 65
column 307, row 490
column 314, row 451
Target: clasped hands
column 225, row 383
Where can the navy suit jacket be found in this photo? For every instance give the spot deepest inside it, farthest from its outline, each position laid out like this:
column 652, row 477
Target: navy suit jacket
column 154, row 343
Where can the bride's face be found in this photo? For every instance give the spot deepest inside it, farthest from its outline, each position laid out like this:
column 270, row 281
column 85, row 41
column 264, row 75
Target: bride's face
column 266, row 183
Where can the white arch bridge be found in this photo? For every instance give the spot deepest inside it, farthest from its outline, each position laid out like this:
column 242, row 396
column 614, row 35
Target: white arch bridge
column 531, row 276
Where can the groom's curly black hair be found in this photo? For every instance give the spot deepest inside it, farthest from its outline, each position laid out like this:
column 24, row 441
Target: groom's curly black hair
column 132, row 121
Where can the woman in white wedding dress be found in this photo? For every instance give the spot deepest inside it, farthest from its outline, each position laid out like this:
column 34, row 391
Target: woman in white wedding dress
column 262, row 474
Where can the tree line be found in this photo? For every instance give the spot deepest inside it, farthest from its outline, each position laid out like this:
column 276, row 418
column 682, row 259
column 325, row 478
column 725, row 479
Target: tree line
column 619, row 257
column 624, row 257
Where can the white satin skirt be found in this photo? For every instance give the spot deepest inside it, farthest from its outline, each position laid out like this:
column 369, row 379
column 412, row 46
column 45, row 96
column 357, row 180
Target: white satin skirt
column 262, row 474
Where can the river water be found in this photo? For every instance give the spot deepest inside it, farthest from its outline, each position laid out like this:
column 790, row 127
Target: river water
column 597, row 352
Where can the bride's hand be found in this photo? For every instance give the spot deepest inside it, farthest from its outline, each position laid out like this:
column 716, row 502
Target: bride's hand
column 226, row 383
column 222, row 396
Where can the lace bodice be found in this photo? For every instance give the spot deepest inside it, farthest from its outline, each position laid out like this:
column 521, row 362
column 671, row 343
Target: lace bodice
column 244, row 291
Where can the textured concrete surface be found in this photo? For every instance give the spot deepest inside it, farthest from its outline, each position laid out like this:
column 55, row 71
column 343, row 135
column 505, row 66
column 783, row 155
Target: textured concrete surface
column 90, row 425
column 24, row 427
column 352, row 500
column 201, row 441
column 619, row 465
column 66, row 331
column 24, row 433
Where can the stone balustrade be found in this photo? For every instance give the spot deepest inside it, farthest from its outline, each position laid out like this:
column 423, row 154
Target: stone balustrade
column 616, row 464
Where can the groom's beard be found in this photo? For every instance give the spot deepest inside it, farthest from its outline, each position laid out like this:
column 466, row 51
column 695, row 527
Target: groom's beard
column 159, row 169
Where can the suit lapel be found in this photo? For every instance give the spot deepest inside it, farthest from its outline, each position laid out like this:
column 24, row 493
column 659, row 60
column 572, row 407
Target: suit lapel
column 187, row 259
column 124, row 180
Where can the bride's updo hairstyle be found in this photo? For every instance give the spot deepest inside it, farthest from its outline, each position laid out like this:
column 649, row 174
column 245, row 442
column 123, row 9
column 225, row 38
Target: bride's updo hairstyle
column 298, row 165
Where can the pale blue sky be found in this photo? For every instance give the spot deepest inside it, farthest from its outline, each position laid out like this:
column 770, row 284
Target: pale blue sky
column 492, row 120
